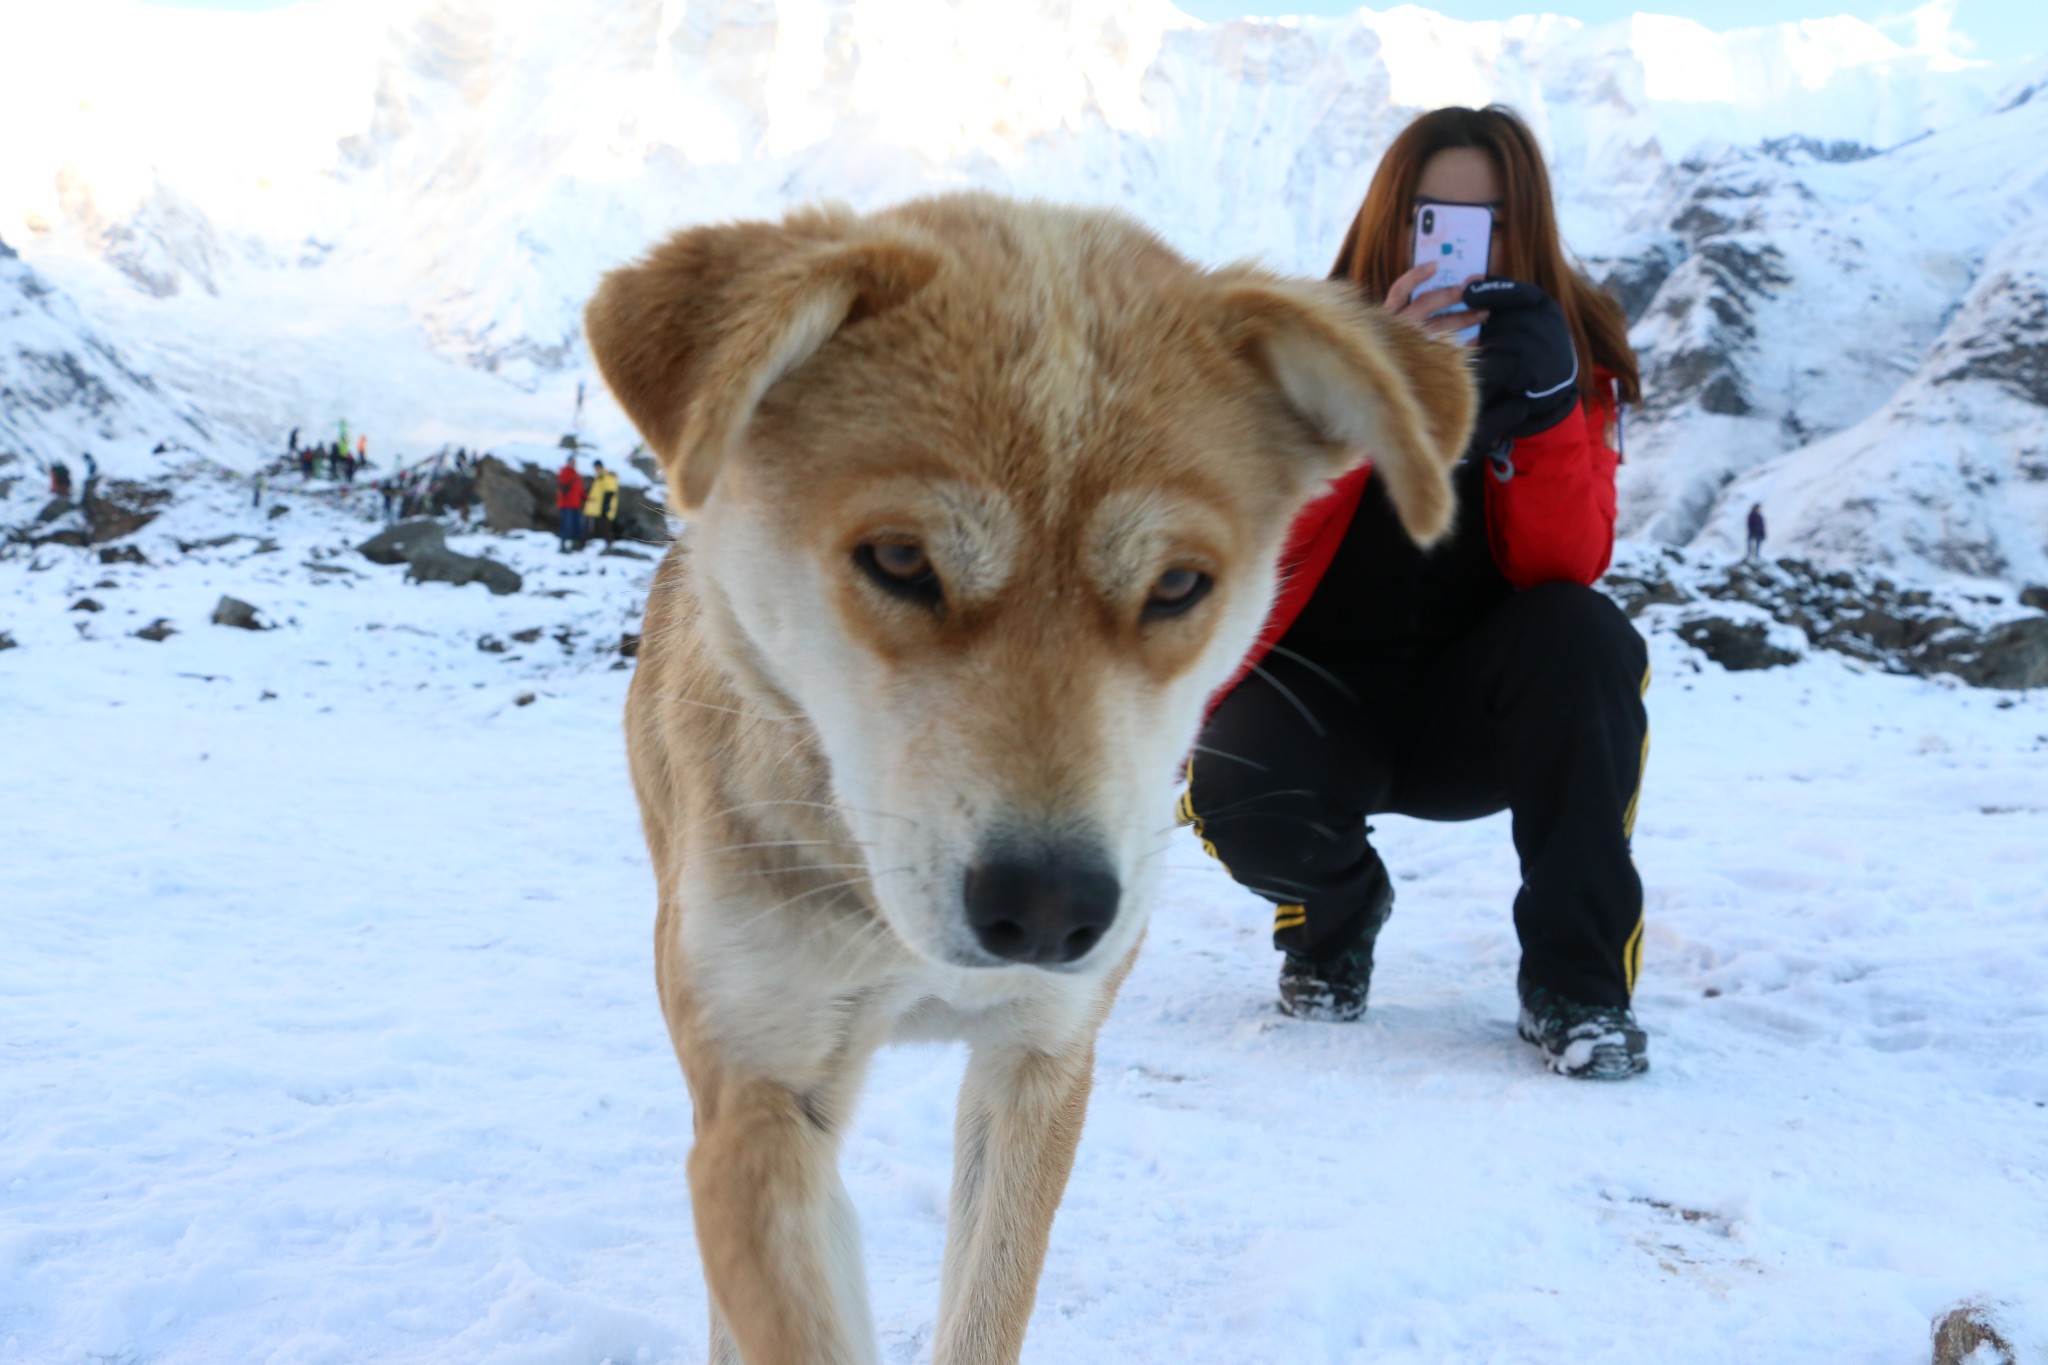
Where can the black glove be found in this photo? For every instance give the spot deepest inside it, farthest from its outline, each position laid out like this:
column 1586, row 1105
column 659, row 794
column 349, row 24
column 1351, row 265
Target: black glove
column 1528, row 367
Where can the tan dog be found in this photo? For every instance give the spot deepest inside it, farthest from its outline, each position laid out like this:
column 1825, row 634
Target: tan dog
column 985, row 501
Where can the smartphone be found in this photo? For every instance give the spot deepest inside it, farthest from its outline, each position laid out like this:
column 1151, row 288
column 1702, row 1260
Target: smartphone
column 1455, row 239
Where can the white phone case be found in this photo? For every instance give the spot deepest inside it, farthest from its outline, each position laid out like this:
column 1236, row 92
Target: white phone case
column 1455, row 238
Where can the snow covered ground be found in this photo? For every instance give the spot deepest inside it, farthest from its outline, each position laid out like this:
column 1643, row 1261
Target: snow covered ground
column 328, row 1032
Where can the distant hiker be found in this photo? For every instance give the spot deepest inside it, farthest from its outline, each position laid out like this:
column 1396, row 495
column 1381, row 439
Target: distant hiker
column 60, row 481
column 362, row 457
column 602, row 503
column 1756, row 531
column 92, row 478
column 292, row 445
column 256, row 497
column 389, row 488
column 569, row 504
column 306, row 462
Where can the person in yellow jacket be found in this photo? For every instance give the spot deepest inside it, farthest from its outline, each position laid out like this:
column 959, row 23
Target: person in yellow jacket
column 601, row 504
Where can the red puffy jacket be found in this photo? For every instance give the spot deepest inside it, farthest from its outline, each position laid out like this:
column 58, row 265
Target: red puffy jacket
column 1552, row 520
column 568, row 489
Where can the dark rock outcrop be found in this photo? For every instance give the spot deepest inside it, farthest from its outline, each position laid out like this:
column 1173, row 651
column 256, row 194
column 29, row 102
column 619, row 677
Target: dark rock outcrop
column 1901, row 630
column 439, row 564
column 422, row 547
column 395, row 543
column 1736, row 646
column 157, row 631
column 233, row 611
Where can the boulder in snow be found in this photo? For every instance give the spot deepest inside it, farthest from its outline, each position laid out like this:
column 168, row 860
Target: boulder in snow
column 233, row 611
column 439, row 564
column 396, row 544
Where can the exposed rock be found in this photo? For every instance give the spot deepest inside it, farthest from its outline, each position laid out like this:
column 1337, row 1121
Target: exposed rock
column 123, row 509
column 53, row 509
column 439, row 564
column 124, row 554
column 641, row 518
column 645, row 462
column 616, row 553
column 629, row 645
column 1962, row 1333
column 2035, row 597
column 526, row 637
column 2014, row 655
column 422, row 547
column 86, row 604
column 6, row 640
column 1736, row 647
column 490, row 644
column 395, row 544
column 278, row 510
column 158, row 630
column 523, row 699
column 450, row 491
column 1904, row 630
column 186, row 547
column 233, row 611
column 515, row 500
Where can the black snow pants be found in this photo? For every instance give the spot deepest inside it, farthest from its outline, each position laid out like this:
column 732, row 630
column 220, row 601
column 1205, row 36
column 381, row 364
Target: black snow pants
column 1537, row 710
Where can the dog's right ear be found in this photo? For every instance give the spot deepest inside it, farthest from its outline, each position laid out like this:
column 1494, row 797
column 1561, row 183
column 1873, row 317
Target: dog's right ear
column 1367, row 386
column 690, row 338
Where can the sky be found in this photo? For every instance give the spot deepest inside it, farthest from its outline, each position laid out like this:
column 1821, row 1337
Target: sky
column 1994, row 29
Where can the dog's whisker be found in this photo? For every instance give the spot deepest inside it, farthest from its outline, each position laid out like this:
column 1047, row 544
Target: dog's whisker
column 728, row 710
column 797, row 869
column 1235, row 758
column 790, row 843
column 1325, row 674
column 835, row 807
column 1284, row 690
column 1252, row 801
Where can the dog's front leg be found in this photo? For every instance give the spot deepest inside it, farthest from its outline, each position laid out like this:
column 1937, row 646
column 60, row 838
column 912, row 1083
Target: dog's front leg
column 1019, row 1121
column 780, row 1242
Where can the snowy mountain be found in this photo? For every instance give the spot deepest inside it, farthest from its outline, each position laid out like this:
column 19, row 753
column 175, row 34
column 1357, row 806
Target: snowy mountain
column 391, row 210
column 60, row 380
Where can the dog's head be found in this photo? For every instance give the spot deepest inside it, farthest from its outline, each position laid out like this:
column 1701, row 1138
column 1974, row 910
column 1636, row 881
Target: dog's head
column 994, row 493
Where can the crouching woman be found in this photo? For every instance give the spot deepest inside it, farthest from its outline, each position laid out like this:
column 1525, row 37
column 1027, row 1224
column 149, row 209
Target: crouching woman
column 1483, row 675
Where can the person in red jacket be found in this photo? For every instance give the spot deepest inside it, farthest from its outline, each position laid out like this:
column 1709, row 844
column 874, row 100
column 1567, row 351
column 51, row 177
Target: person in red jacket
column 1481, row 675
column 569, row 504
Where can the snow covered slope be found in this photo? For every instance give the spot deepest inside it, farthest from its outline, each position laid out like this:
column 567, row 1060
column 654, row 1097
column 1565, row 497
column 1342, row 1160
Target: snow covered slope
column 62, row 384
column 328, row 1032
column 391, row 210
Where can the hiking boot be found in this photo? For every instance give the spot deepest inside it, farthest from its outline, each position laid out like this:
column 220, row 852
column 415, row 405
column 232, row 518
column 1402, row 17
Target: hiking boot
column 1586, row 1042
column 1334, row 990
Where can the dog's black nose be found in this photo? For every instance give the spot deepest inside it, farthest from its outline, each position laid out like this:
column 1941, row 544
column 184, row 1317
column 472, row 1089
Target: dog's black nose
column 1041, row 910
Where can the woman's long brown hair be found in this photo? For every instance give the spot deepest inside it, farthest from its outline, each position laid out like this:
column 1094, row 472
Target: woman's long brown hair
column 1377, row 249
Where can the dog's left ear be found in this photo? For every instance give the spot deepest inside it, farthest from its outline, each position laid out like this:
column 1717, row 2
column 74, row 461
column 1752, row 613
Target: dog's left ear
column 1367, row 385
column 691, row 338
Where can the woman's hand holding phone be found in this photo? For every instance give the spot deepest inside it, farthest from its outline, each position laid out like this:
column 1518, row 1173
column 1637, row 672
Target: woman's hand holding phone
column 1427, row 308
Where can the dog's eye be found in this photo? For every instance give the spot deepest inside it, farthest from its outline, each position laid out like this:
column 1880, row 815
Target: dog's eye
column 1175, row 591
column 902, row 569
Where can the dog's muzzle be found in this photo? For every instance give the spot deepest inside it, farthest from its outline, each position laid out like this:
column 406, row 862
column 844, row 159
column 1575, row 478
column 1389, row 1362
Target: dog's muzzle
column 1041, row 909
